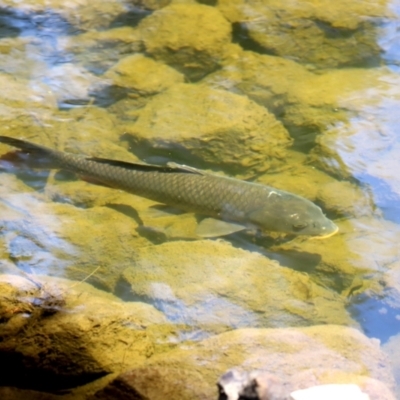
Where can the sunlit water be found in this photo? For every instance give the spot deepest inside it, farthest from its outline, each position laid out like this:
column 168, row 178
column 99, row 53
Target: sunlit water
column 68, row 104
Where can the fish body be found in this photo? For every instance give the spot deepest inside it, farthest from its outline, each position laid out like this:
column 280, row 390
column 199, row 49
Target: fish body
column 238, row 203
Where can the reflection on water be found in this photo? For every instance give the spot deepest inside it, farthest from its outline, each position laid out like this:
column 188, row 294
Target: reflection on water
column 302, row 96
column 373, row 314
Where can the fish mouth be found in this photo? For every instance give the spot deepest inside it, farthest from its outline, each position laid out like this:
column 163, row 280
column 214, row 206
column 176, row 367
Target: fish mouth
column 319, row 237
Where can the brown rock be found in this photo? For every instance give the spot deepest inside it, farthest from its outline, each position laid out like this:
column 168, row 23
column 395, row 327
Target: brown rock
column 58, row 336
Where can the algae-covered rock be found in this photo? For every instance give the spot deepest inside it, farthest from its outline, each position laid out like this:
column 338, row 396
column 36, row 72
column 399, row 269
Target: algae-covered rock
column 57, row 16
column 202, row 126
column 323, row 33
column 298, row 177
column 18, row 94
column 91, row 131
column 70, row 84
column 345, row 199
column 308, row 104
column 339, row 198
column 61, row 239
column 329, row 100
column 150, row 4
column 189, row 37
column 14, row 57
column 100, row 50
column 210, row 282
column 65, row 332
column 366, row 147
column 353, row 261
column 138, row 75
column 154, row 383
column 266, row 79
column 298, row 356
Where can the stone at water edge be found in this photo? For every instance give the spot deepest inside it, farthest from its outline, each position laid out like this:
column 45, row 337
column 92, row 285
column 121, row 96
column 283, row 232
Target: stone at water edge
column 330, row 392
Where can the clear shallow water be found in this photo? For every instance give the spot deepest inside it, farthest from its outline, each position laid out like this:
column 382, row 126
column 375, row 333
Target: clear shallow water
column 63, row 106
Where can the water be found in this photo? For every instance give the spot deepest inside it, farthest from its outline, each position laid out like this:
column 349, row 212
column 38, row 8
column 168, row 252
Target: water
column 314, row 114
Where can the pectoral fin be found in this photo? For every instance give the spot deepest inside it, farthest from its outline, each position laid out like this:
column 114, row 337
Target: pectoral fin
column 161, row 210
column 210, row 227
column 184, row 168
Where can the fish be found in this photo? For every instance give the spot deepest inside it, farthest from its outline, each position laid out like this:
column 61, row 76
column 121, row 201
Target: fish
column 228, row 204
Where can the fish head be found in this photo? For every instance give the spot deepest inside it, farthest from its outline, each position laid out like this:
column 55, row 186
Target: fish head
column 288, row 213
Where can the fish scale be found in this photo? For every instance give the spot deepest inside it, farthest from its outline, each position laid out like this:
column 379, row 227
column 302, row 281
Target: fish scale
column 202, row 193
column 229, row 199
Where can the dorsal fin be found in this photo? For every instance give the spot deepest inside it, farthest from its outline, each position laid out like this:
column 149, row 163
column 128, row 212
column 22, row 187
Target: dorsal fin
column 170, row 167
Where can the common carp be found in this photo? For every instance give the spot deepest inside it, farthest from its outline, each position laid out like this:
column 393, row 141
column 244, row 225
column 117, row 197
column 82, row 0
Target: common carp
column 231, row 204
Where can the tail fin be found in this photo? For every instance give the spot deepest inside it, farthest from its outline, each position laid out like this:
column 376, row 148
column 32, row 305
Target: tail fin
column 29, row 154
column 25, row 146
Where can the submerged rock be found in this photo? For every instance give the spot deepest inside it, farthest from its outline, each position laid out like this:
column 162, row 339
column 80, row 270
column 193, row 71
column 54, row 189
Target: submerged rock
column 308, row 104
column 217, row 129
column 157, row 383
column 55, row 17
column 366, row 147
column 61, row 239
column 100, row 50
column 189, row 37
column 70, row 84
column 346, row 199
column 18, row 95
column 212, row 283
column 150, row 4
column 356, row 259
column 266, row 79
column 321, row 33
column 299, row 357
column 137, row 75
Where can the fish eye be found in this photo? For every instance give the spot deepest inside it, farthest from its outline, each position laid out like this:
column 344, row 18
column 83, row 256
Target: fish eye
column 299, row 226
